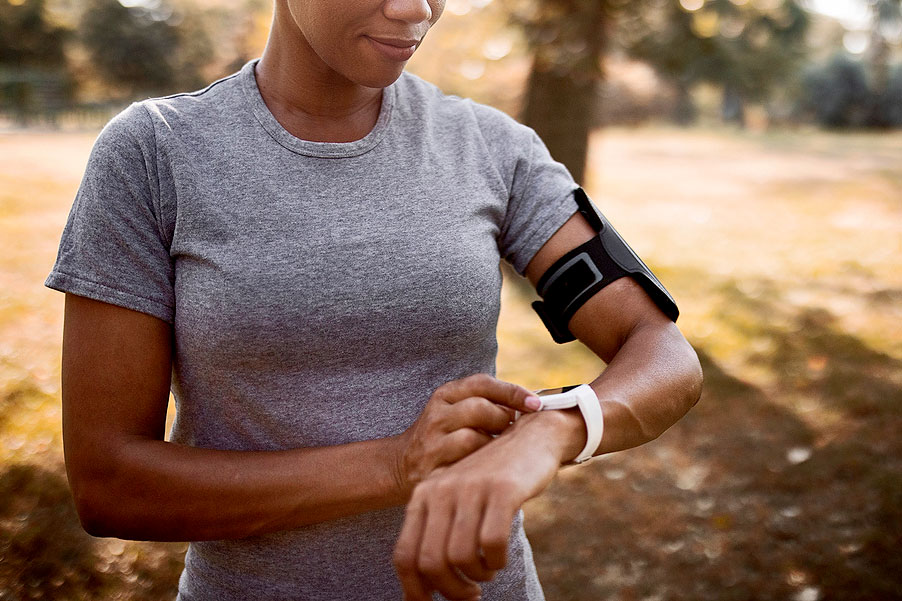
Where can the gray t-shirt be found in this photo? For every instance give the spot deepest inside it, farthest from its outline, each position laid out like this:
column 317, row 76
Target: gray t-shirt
column 306, row 281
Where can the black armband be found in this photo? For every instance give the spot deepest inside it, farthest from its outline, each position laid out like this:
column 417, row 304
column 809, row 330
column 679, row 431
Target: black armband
column 579, row 274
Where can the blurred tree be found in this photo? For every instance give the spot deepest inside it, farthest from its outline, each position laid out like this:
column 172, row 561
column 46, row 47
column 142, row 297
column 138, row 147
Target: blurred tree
column 240, row 28
column 28, row 38
column 145, row 47
column 837, row 93
column 886, row 17
column 567, row 38
column 474, row 52
column 256, row 17
column 33, row 74
column 746, row 47
column 661, row 34
column 891, row 101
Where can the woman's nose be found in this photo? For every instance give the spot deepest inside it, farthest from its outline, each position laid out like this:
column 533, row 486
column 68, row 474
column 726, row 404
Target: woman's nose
column 409, row 11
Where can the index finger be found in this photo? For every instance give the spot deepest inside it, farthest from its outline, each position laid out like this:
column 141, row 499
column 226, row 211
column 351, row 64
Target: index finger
column 407, row 549
column 490, row 388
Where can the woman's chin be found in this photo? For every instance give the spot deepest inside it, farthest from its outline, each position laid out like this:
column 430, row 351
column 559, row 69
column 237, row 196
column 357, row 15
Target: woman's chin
column 379, row 76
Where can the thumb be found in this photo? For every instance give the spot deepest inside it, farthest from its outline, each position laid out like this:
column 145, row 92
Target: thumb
column 520, row 399
column 497, row 391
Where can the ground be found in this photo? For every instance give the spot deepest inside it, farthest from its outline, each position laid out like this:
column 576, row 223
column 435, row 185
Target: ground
column 784, row 482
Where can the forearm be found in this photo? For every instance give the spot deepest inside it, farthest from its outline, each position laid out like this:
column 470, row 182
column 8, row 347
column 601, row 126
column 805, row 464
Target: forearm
column 155, row 490
column 652, row 381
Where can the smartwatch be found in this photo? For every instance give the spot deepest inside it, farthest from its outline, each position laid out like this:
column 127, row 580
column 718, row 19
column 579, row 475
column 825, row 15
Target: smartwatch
column 584, row 397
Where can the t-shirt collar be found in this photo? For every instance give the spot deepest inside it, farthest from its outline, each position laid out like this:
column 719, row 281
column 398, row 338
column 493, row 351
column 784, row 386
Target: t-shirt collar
column 305, row 147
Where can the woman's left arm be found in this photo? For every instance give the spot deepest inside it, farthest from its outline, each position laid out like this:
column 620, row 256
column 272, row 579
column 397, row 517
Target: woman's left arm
column 458, row 521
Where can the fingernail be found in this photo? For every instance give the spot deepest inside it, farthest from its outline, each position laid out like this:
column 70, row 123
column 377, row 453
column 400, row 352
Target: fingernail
column 533, row 402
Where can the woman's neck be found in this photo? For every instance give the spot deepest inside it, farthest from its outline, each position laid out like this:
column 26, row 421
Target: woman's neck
column 307, row 97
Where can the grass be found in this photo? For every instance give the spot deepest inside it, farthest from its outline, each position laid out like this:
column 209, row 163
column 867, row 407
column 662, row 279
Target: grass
column 785, row 482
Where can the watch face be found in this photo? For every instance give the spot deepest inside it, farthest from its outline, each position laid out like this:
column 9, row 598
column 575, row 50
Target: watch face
column 549, row 391
column 558, row 398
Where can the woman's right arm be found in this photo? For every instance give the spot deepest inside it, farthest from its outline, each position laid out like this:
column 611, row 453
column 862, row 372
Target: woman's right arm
column 129, row 483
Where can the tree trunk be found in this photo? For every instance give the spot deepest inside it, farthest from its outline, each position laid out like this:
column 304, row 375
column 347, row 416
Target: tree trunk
column 886, row 14
column 732, row 107
column 684, row 111
column 560, row 110
column 879, row 67
column 563, row 83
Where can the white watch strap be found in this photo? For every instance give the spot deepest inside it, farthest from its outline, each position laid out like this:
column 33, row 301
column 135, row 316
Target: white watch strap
column 594, row 418
column 585, row 398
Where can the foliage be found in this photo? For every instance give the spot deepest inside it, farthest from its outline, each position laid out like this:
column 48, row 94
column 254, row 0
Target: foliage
column 751, row 50
column 144, row 48
column 28, row 38
column 746, row 48
column 838, row 94
column 33, row 65
column 886, row 11
column 566, row 36
column 890, row 104
column 886, row 17
column 473, row 52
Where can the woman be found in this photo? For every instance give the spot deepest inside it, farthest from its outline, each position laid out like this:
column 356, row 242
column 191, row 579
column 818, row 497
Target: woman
column 307, row 253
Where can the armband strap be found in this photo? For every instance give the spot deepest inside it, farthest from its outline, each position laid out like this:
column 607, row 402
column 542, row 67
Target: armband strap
column 585, row 398
column 578, row 275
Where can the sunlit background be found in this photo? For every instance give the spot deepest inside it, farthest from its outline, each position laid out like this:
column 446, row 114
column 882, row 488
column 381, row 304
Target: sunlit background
column 751, row 152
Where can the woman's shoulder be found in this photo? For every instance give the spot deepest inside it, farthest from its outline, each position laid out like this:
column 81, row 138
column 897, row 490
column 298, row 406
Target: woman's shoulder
column 145, row 121
column 210, row 98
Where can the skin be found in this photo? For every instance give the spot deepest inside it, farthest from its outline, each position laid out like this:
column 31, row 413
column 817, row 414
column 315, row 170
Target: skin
column 321, row 76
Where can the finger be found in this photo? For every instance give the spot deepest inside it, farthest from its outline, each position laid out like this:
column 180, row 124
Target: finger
column 493, row 389
column 477, row 413
column 494, row 533
column 463, row 542
column 406, row 551
column 433, row 560
column 459, row 444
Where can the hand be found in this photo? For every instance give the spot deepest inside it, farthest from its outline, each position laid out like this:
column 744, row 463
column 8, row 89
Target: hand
column 460, row 417
column 458, row 520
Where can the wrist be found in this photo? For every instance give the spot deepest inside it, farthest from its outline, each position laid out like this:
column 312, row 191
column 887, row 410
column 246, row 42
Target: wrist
column 395, row 460
column 562, row 432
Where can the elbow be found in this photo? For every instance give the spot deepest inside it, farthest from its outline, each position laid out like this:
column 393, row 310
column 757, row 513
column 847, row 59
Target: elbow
column 97, row 509
column 112, row 510
column 694, row 377
column 115, row 495
column 688, row 380
column 686, row 377
column 93, row 512
column 684, row 390
column 103, row 500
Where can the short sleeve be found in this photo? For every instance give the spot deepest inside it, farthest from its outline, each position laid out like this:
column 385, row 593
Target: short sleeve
column 114, row 247
column 540, row 189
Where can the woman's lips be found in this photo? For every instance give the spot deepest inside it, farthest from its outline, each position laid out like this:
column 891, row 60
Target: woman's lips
column 394, row 49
